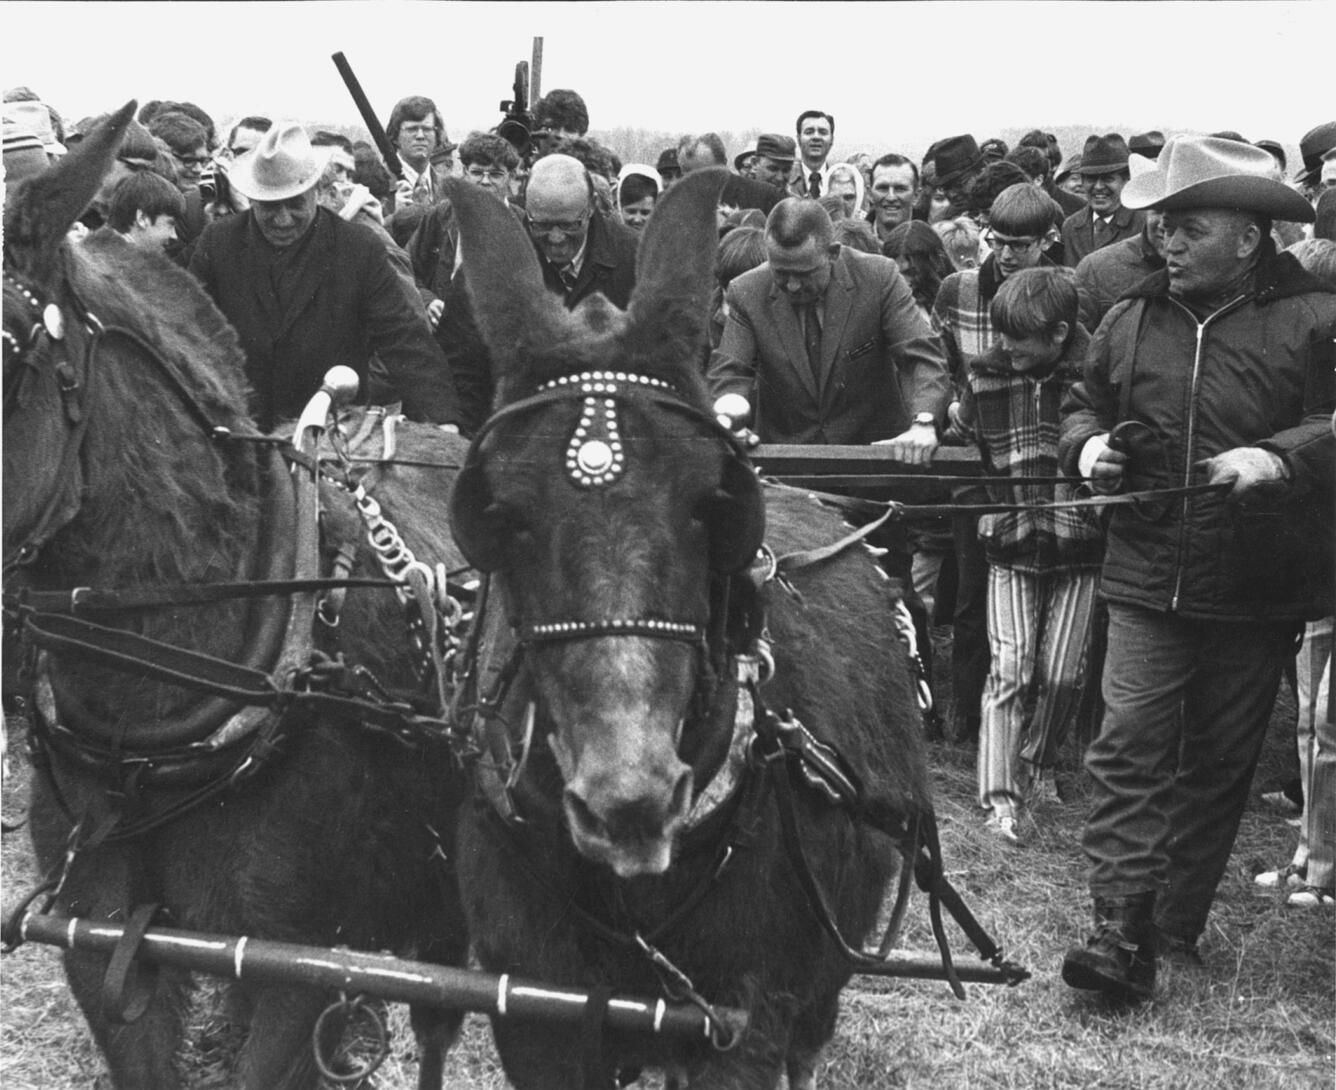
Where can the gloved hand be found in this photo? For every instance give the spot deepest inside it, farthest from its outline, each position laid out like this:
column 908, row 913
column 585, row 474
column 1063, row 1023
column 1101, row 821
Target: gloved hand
column 1252, row 471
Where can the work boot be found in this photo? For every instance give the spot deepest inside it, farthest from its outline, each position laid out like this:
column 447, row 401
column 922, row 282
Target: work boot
column 1119, row 958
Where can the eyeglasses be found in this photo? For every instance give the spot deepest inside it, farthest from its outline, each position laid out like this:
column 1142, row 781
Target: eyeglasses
column 997, row 243
column 478, row 174
column 566, row 227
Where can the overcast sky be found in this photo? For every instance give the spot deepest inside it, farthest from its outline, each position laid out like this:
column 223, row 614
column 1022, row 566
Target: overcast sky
column 896, row 74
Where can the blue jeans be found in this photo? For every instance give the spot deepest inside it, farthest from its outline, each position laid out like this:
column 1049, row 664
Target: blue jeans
column 1187, row 704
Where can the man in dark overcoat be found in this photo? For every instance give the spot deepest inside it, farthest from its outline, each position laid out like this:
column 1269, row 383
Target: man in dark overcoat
column 307, row 290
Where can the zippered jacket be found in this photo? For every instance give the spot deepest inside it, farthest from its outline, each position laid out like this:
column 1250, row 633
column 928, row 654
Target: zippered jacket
column 1014, row 419
column 1256, row 372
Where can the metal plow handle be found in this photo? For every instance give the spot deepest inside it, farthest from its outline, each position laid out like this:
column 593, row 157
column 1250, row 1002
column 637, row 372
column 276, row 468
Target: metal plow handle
column 357, row 973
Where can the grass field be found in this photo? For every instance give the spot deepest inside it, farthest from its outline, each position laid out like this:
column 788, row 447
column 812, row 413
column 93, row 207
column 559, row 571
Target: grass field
column 1262, row 1014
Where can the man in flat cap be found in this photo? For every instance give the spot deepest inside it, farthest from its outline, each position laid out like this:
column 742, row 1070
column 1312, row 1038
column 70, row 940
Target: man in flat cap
column 775, row 154
column 1218, row 370
column 307, row 290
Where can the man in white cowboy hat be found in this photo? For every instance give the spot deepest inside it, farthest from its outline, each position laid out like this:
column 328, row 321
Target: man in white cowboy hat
column 1217, row 370
column 307, row 290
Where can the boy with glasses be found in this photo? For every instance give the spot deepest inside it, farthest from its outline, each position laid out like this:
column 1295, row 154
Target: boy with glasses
column 1020, row 220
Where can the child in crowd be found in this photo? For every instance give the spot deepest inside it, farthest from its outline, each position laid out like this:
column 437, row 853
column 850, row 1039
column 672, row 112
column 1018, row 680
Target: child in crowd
column 1042, row 563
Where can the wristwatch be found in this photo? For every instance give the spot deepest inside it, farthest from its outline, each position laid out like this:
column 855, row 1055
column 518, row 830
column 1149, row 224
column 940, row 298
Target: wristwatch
column 925, row 420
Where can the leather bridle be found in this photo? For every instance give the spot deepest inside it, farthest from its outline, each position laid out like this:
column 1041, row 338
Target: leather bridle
column 47, row 329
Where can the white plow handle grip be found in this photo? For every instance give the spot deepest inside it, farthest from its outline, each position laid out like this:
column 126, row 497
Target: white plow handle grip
column 339, row 389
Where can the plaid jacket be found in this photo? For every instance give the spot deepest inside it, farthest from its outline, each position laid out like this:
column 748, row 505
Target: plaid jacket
column 1015, row 420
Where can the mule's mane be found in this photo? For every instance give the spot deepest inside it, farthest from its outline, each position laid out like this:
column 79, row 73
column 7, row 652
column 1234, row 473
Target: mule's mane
column 165, row 504
column 164, row 305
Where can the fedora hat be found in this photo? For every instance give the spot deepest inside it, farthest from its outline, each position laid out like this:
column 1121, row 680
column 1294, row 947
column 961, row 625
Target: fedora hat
column 772, row 145
column 1149, row 144
column 1314, row 145
column 280, row 166
column 1103, row 154
column 1208, row 172
column 955, row 157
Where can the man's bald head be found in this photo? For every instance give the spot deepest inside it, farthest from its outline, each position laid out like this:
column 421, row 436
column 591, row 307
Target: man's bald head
column 559, row 200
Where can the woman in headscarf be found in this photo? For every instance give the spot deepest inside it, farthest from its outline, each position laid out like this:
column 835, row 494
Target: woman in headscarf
column 638, row 187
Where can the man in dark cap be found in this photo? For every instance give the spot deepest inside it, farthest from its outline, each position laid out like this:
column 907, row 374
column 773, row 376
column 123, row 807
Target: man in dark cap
column 1104, row 220
column 1217, row 370
column 668, row 167
column 775, row 155
column 1316, row 142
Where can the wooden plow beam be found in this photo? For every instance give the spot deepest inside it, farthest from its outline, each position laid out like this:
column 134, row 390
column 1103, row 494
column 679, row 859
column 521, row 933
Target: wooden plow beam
column 355, row 972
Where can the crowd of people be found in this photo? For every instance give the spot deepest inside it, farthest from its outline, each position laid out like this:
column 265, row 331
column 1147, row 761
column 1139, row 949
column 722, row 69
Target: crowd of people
column 1138, row 338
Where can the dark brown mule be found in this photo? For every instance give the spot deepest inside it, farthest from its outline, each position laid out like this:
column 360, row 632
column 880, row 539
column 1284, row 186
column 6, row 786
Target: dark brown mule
column 111, row 480
column 613, row 511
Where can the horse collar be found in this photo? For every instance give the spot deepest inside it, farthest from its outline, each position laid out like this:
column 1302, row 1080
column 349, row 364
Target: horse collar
column 594, row 455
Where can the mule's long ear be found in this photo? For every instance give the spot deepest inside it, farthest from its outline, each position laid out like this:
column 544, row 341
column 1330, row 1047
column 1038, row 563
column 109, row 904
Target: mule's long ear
column 675, row 266
column 45, row 207
column 514, row 311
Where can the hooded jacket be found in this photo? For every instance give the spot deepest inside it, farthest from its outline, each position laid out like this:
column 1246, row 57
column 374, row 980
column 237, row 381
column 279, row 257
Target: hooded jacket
column 1256, row 372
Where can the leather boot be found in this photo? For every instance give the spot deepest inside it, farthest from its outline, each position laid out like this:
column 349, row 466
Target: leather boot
column 1119, row 958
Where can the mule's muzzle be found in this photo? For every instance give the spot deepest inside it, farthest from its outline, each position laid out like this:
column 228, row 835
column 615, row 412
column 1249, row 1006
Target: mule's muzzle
column 629, row 822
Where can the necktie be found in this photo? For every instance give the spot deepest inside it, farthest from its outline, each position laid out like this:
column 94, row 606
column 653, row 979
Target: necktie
column 568, row 277
column 814, row 185
column 1103, row 233
column 812, row 338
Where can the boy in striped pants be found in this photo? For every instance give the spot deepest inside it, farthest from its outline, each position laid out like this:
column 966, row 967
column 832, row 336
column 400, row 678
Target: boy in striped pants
column 1042, row 563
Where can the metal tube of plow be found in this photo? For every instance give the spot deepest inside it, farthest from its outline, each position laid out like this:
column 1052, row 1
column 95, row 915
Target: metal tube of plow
column 360, row 973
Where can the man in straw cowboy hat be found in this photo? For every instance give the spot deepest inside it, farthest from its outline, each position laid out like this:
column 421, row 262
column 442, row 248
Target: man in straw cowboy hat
column 307, row 290
column 1216, row 370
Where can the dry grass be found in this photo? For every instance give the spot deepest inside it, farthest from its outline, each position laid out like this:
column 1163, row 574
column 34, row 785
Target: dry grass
column 1261, row 1014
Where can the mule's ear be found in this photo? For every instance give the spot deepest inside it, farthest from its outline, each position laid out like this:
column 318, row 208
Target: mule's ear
column 473, row 521
column 515, row 313
column 735, row 518
column 38, row 216
column 675, row 266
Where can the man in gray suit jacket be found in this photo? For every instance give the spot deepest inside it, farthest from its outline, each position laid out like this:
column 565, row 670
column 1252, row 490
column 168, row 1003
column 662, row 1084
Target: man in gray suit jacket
column 823, row 344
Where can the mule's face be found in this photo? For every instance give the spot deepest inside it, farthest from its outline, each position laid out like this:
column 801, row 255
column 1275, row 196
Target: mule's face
column 634, row 550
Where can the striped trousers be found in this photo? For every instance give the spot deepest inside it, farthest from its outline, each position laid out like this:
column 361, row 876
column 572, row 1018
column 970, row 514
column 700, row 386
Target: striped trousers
column 1317, row 756
column 1038, row 633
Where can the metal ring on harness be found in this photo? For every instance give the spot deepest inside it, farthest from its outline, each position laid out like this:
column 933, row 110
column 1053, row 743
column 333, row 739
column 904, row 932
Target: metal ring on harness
column 350, row 1010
